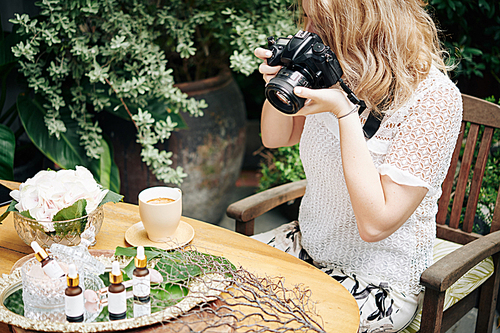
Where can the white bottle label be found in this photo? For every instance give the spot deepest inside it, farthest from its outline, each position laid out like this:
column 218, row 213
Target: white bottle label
column 74, row 305
column 142, row 309
column 53, row 270
column 141, row 285
column 117, row 302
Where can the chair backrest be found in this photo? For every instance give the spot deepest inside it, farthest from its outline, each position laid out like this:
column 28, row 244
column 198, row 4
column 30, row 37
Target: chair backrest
column 461, row 188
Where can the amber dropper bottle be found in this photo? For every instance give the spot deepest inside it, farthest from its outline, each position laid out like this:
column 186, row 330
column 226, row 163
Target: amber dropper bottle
column 117, row 295
column 141, row 278
column 49, row 265
column 73, row 299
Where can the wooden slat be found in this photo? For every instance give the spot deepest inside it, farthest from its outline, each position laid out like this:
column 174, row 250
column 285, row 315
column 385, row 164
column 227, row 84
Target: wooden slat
column 455, row 235
column 432, row 311
column 477, row 179
column 447, row 187
column 445, row 272
column 463, row 176
column 253, row 206
column 479, row 111
column 488, row 300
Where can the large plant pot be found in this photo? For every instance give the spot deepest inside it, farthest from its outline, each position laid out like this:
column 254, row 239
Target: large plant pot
column 211, row 150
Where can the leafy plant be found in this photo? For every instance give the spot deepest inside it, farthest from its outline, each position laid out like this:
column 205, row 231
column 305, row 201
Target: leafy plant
column 471, row 32
column 7, row 136
column 125, row 57
column 280, row 166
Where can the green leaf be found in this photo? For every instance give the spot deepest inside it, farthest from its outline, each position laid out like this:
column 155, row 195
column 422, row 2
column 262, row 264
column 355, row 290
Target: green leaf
column 114, row 176
column 11, row 208
column 111, row 197
column 6, row 55
column 74, row 211
column 158, row 109
column 105, row 163
column 66, row 152
column 7, row 148
column 150, row 251
column 167, row 294
column 26, row 213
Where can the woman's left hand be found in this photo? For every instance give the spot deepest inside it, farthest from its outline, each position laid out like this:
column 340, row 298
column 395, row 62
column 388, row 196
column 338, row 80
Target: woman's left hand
column 324, row 100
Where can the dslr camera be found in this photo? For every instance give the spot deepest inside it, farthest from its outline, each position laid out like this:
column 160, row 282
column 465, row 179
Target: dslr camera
column 306, row 62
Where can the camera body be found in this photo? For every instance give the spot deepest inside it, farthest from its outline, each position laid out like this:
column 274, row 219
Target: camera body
column 306, row 62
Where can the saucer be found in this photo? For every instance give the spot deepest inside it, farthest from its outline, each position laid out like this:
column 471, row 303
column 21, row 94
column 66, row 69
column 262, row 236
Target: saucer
column 136, row 235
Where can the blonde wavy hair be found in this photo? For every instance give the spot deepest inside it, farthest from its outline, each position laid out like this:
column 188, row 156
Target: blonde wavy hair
column 385, row 47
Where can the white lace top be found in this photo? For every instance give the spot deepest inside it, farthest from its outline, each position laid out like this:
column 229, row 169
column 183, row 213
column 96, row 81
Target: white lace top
column 413, row 146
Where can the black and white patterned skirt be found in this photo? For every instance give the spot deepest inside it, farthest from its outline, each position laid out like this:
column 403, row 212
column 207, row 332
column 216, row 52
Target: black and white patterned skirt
column 381, row 308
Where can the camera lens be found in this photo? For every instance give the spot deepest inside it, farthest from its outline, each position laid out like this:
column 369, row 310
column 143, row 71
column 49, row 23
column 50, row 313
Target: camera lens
column 279, row 91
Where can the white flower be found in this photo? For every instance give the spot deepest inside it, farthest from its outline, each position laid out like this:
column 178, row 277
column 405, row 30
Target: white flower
column 50, row 191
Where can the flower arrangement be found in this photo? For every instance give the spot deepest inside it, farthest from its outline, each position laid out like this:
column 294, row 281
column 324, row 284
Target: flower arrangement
column 52, row 196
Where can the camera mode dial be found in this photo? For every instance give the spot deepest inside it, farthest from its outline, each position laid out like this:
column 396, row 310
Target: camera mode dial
column 318, row 48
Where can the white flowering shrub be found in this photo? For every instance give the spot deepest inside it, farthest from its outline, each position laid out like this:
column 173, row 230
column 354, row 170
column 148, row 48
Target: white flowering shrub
column 82, row 57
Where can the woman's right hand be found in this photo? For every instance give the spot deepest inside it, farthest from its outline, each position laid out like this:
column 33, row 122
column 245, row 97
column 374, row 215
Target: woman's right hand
column 277, row 128
column 268, row 72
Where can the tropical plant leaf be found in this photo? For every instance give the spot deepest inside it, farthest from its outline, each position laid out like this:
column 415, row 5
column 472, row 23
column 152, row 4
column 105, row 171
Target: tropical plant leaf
column 174, row 268
column 114, row 176
column 6, row 56
column 11, row 208
column 149, row 251
column 74, row 211
column 7, row 148
column 158, row 109
column 111, row 197
column 169, row 294
column 67, row 151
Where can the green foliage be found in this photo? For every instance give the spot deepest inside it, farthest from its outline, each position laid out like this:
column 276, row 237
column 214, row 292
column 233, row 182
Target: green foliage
column 280, row 166
column 471, row 32
column 125, row 57
column 7, row 148
column 74, row 211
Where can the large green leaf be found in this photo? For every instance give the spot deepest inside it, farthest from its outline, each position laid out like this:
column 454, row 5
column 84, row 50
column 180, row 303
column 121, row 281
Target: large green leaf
column 65, row 152
column 158, row 109
column 7, row 147
column 75, row 211
column 114, row 180
column 6, row 55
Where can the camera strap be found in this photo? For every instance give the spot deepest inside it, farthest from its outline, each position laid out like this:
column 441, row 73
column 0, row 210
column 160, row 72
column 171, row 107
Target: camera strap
column 372, row 122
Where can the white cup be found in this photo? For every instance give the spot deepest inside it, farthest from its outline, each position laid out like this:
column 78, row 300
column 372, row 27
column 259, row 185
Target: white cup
column 160, row 219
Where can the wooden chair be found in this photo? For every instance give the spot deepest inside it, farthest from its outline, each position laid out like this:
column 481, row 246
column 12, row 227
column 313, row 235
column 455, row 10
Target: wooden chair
column 443, row 273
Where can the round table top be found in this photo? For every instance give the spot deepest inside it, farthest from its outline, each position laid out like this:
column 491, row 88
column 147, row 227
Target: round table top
column 336, row 306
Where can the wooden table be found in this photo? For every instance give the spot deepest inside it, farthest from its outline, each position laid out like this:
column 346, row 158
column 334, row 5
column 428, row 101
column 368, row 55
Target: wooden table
column 334, row 303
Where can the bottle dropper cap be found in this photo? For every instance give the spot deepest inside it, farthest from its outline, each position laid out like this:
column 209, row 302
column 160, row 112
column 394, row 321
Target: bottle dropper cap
column 72, row 277
column 40, row 253
column 140, row 259
column 115, row 276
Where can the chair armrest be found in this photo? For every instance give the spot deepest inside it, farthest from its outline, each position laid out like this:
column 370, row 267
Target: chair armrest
column 443, row 273
column 249, row 208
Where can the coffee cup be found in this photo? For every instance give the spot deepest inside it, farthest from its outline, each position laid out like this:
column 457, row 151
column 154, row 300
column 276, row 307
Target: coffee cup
column 160, row 209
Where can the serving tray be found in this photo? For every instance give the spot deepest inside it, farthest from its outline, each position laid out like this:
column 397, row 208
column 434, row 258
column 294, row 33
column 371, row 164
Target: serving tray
column 201, row 290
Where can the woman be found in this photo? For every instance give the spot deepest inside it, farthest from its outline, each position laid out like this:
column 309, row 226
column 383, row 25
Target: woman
column 368, row 215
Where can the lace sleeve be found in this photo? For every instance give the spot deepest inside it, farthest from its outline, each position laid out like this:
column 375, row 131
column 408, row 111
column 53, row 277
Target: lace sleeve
column 421, row 149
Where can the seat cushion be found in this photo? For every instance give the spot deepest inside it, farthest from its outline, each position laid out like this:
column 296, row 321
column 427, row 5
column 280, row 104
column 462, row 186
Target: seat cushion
column 463, row 286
